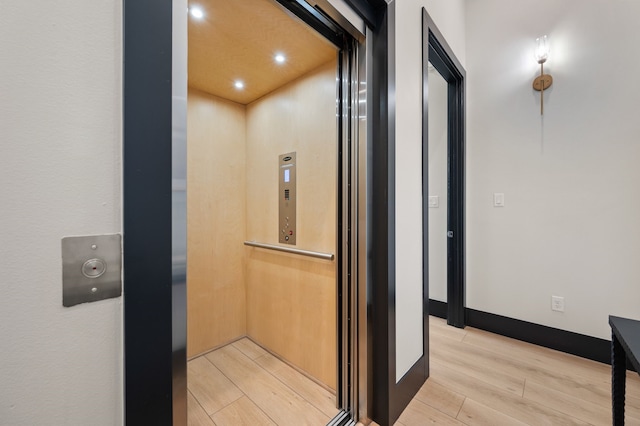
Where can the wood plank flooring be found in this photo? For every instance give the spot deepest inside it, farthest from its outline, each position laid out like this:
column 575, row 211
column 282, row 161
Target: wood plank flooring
column 480, row 378
column 242, row 384
column 477, row 378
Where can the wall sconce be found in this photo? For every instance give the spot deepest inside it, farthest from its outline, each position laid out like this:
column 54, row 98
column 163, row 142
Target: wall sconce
column 543, row 81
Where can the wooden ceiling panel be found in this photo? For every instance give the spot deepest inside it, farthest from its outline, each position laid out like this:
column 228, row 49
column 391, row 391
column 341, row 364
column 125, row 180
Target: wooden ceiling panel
column 238, row 39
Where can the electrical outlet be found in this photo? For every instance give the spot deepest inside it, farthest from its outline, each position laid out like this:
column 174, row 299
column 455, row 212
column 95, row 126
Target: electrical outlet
column 557, row 303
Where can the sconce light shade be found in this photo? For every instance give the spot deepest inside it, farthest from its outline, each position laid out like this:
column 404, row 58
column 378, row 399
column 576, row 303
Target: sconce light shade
column 543, row 81
column 542, row 49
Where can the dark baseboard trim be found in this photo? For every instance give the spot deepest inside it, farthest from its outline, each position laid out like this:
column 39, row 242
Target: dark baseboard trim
column 569, row 342
column 438, row 308
column 561, row 340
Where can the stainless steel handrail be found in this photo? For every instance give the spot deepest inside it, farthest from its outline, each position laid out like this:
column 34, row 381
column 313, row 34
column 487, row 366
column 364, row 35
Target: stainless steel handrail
column 319, row 255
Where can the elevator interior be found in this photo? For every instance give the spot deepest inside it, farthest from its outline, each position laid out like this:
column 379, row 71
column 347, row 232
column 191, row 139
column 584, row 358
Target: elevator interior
column 262, row 86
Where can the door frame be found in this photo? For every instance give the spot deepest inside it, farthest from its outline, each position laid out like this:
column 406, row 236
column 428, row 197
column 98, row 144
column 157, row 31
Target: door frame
column 147, row 239
column 154, row 296
column 436, row 51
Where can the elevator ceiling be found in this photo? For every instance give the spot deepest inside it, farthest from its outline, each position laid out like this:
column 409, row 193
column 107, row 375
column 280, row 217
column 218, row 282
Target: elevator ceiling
column 239, row 39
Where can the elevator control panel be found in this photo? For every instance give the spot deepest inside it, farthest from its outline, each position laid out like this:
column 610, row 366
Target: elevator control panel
column 91, row 268
column 287, row 197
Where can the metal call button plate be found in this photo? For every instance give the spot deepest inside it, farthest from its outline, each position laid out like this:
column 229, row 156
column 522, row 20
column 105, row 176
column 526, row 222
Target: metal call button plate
column 91, row 268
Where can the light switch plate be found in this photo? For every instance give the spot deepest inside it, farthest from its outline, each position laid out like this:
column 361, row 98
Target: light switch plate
column 91, row 268
column 498, row 199
column 557, row 303
column 434, row 201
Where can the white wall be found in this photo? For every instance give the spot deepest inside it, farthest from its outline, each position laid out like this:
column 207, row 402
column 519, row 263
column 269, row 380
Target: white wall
column 60, row 168
column 571, row 223
column 449, row 17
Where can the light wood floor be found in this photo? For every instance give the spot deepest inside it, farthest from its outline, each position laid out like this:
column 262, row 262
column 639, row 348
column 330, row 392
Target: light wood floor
column 242, row 384
column 477, row 378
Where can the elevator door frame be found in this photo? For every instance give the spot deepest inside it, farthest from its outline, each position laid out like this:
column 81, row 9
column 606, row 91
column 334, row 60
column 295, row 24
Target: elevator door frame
column 155, row 303
column 347, row 137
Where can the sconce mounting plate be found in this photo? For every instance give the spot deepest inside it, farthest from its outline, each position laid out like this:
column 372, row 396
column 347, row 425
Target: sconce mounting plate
column 542, row 82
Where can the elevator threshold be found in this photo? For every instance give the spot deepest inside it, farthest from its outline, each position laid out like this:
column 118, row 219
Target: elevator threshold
column 242, row 383
column 342, row 419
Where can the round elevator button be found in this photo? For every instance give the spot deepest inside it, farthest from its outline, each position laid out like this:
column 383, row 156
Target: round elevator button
column 93, row 268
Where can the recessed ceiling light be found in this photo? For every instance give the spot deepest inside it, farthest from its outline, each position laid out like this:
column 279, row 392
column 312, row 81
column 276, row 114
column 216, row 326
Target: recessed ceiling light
column 239, row 84
column 196, row 12
column 280, row 58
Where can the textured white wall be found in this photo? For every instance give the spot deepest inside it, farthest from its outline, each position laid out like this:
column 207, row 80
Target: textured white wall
column 60, row 168
column 571, row 223
column 449, row 17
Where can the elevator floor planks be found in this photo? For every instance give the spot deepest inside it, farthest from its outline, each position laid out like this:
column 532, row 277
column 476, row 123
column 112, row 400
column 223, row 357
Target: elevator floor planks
column 321, row 398
column 195, row 413
column 253, row 388
column 242, row 412
column 476, row 378
column 209, row 386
